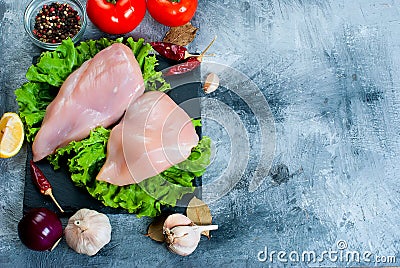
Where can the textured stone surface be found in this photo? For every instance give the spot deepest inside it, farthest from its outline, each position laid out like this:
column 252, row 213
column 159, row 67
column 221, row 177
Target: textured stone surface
column 329, row 72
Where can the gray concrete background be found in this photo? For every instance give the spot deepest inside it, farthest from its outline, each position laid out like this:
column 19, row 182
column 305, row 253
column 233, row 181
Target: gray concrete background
column 329, row 72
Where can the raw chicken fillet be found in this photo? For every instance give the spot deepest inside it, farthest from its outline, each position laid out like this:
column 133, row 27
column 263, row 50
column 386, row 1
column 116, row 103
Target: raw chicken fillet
column 154, row 135
column 96, row 94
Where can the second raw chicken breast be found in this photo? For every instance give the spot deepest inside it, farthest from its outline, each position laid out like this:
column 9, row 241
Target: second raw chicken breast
column 154, row 135
column 96, row 94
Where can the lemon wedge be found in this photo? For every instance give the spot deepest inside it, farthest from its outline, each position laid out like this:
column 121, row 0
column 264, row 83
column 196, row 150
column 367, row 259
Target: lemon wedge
column 11, row 135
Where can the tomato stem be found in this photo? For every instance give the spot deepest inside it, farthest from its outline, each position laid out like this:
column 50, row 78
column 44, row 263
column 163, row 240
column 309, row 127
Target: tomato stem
column 174, row 1
column 114, row 2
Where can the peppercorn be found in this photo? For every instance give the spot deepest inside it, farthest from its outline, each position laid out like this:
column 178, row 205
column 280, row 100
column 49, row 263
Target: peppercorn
column 56, row 22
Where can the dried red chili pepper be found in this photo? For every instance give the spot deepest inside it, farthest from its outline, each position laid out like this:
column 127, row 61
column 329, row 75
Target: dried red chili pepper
column 42, row 183
column 171, row 51
column 181, row 68
column 189, row 65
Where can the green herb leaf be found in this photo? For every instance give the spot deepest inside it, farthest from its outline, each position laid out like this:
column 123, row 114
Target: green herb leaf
column 33, row 98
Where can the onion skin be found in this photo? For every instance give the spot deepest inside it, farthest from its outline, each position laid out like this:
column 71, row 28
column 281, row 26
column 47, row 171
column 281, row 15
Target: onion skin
column 40, row 229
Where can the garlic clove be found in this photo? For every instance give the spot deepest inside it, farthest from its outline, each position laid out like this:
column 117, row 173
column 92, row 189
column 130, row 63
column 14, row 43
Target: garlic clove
column 182, row 235
column 211, row 83
column 175, row 220
column 186, row 236
column 181, row 250
column 88, row 231
column 183, row 240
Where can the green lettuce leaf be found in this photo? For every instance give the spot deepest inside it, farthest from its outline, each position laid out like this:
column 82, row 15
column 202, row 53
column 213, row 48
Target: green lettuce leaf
column 33, row 98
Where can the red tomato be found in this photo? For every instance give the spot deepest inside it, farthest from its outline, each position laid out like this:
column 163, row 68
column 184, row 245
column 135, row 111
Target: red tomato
column 116, row 16
column 172, row 12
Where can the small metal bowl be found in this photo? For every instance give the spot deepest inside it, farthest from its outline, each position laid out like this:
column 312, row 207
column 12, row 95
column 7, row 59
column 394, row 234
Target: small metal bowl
column 33, row 9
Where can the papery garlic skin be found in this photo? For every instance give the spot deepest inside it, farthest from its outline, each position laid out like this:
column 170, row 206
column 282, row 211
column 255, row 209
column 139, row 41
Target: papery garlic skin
column 88, row 231
column 175, row 220
column 182, row 235
column 182, row 240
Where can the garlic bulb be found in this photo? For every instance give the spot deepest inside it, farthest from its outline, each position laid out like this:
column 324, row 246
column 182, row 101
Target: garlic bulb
column 88, row 231
column 182, row 235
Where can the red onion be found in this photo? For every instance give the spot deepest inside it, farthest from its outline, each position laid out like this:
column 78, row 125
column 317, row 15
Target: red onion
column 40, row 229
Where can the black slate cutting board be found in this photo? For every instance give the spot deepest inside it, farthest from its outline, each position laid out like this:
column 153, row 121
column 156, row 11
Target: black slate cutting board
column 72, row 198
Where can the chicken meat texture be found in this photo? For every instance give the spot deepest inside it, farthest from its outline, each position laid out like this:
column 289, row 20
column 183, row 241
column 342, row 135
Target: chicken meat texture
column 96, row 94
column 154, row 135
